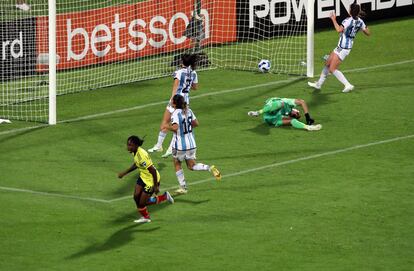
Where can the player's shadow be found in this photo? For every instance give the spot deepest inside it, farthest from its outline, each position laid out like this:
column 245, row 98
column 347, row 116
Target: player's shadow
column 116, row 240
column 181, row 199
column 261, row 129
column 319, row 98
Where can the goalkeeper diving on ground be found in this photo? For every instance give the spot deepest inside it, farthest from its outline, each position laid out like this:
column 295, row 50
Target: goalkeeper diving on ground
column 281, row 112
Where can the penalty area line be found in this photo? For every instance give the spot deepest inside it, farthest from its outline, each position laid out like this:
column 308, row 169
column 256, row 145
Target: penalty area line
column 356, row 147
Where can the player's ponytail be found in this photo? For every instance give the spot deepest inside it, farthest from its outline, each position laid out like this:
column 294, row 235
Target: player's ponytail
column 135, row 140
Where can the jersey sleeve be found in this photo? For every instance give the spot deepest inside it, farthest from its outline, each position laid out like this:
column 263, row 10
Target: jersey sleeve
column 192, row 114
column 174, row 117
column 195, row 77
column 145, row 160
column 177, row 74
column 290, row 102
column 346, row 22
column 363, row 25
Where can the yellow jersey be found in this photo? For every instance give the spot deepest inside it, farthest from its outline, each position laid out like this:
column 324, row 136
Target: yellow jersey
column 143, row 161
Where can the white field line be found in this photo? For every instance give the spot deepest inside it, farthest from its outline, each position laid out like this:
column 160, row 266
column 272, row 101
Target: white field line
column 196, row 97
column 51, row 194
column 287, row 162
column 305, row 158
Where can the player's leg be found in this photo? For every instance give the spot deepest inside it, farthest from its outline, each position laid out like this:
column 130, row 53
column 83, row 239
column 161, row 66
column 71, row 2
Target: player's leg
column 141, row 206
column 166, row 196
column 190, row 160
column 163, row 130
column 324, row 74
column 169, row 150
column 339, row 56
column 179, row 172
column 271, row 105
column 286, row 121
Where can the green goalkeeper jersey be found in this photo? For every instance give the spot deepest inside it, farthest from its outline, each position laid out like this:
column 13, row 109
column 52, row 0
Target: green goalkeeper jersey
column 276, row 108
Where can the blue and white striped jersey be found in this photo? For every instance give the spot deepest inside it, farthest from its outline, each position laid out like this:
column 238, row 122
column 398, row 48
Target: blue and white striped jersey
column 187, row 77
column 351, row 28
column 183, row 139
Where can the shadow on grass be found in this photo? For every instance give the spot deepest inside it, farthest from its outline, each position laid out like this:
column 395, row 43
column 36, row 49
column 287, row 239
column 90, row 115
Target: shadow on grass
column 19, row 133
column 116, row 240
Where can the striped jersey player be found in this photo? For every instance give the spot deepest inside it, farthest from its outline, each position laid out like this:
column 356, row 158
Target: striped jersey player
column 347, row 32
column 184, row 146
column 185, row 80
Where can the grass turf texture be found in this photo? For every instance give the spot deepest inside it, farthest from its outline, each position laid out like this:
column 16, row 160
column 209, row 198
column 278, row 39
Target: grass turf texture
column 352, row 210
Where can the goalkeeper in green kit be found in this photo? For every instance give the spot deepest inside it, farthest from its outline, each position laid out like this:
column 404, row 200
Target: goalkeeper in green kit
column 281, row 111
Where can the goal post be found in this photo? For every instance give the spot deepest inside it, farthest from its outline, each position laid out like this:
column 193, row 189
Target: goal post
column 52, row 62
column 310, row 32
column 62, row 47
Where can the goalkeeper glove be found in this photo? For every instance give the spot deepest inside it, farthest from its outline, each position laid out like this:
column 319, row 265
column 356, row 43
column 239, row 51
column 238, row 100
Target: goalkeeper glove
column 309, row 120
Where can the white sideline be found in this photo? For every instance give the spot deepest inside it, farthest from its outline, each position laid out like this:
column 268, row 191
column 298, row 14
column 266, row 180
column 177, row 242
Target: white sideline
column 196, row 97
column 224, row 176
column 50, row 194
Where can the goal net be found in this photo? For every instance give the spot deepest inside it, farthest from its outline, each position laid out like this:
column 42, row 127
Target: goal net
column 105, row 43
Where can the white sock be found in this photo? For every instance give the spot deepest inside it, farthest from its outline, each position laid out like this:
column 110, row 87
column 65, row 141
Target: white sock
column 161, row 137
column 200, row 166
column 323, row 76
column 340, row 76
column 180, row 178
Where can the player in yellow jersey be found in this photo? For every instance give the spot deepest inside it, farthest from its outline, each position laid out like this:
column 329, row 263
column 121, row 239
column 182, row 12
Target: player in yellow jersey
column 148, row 181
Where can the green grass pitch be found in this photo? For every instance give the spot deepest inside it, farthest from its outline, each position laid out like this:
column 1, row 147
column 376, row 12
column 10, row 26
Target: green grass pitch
column 338, row 199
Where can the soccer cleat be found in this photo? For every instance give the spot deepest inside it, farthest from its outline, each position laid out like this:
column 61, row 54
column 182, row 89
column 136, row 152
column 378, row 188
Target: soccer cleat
column 253, row 113
column 170, row 199
column 142, row 220
column 182, row 190
column 215, row 172
column 316, row 127
column 155, row 149
column 348, row 88
column 167, row 153
column 314, row 85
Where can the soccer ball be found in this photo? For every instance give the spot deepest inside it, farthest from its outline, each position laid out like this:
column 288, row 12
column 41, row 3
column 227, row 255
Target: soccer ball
column 264, row 65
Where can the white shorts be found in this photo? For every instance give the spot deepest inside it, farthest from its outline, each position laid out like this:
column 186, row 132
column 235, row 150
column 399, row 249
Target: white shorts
column 184, row 155
column 341, row 53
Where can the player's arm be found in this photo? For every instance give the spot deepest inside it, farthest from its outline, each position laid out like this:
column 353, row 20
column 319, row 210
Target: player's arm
column 194, row 85
column 195, row 123
column 153, row 172
column 131, row 168
column 173, row 127
column 174, row 89
column 303, row 104
column 338, row 28
column 366, row 31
